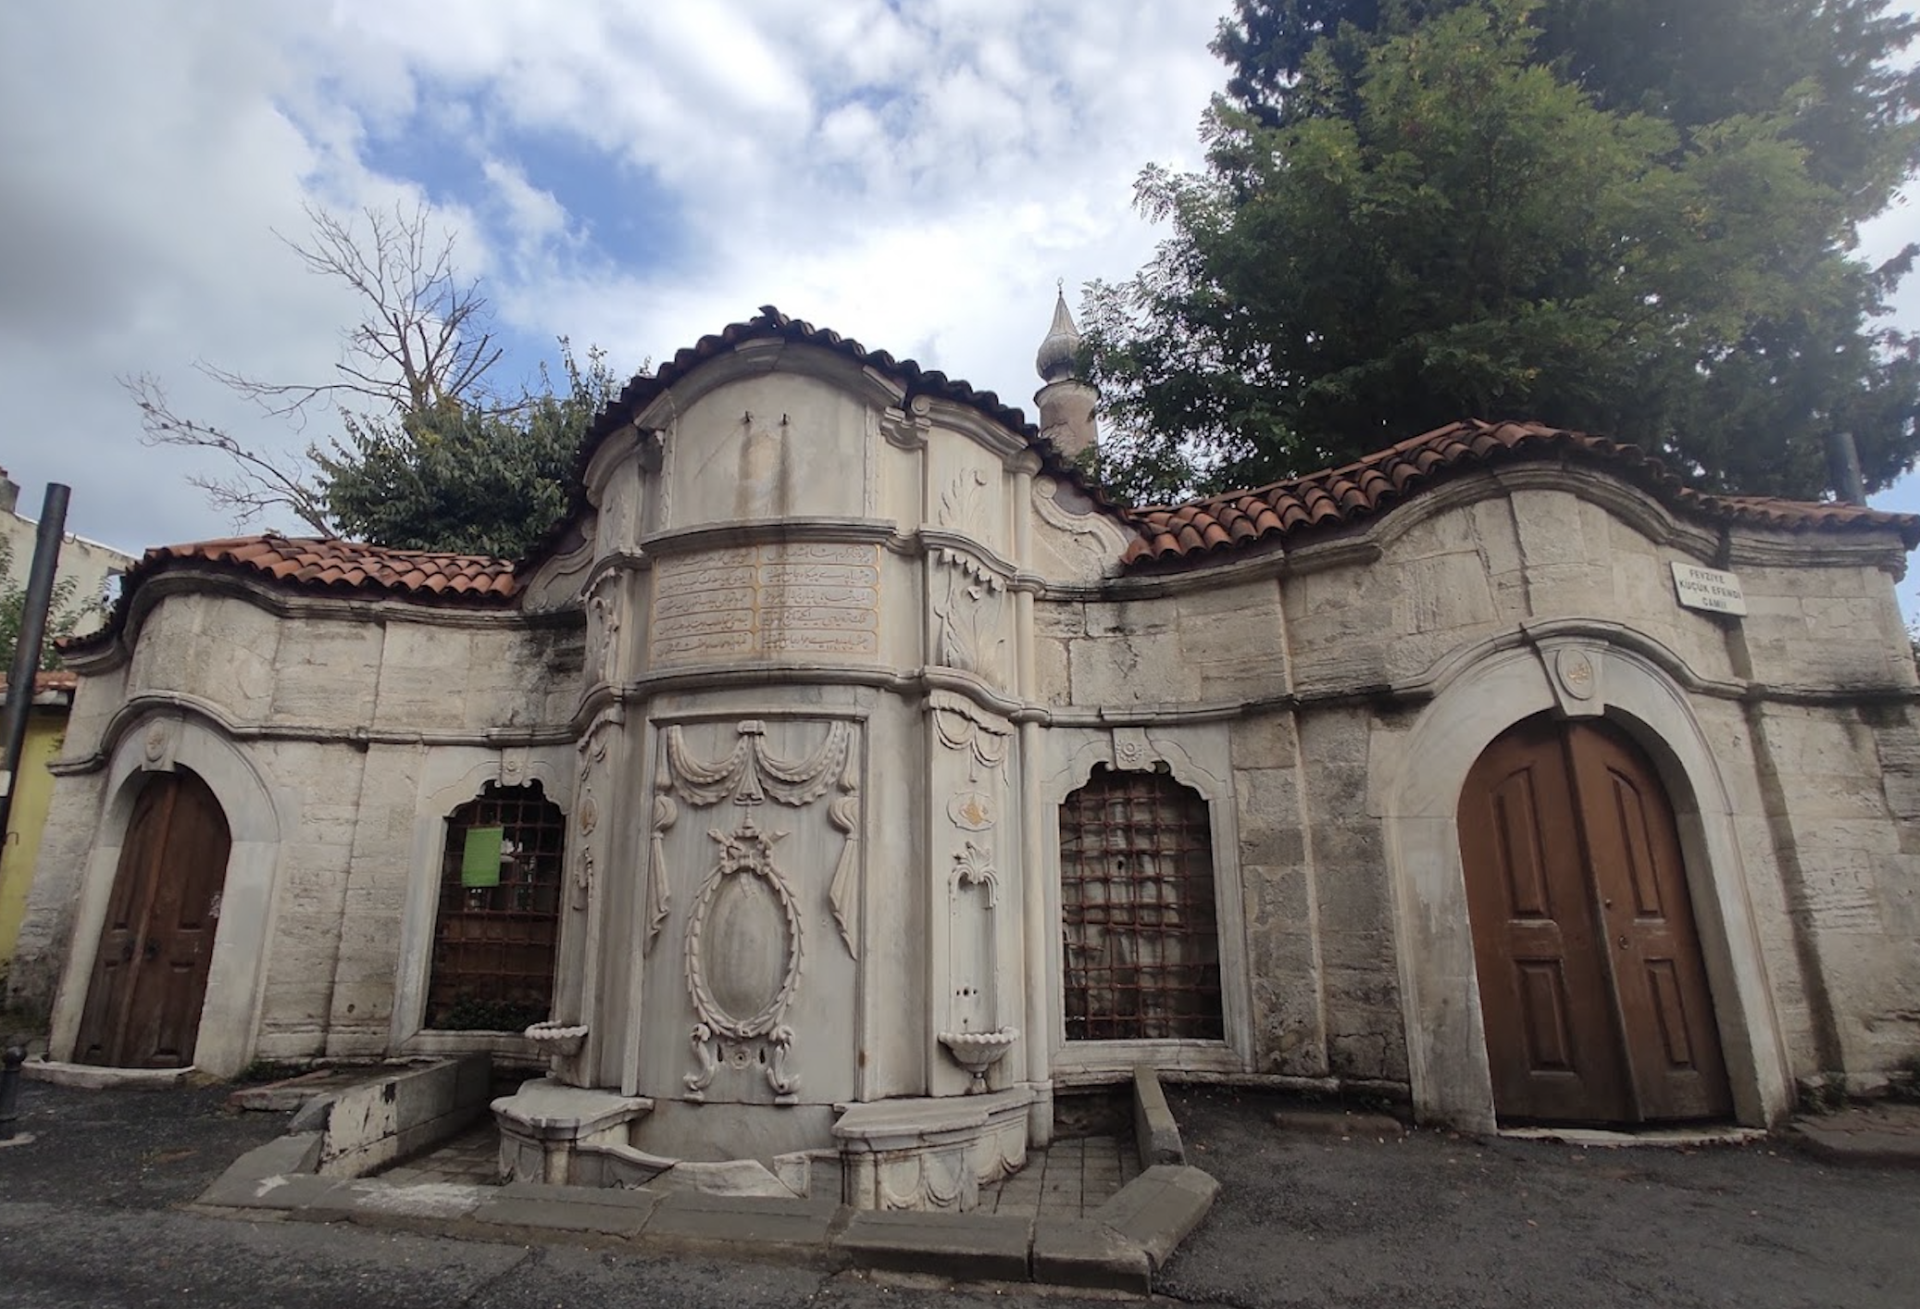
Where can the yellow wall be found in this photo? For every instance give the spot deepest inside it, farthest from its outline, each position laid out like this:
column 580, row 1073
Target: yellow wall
column 33, row 791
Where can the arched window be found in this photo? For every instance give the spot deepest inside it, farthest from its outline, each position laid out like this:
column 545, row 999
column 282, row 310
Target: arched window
column 500, row 886
column 1137, row 909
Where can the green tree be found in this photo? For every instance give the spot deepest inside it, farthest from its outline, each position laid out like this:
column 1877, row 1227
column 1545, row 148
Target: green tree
column 64, row 614
column 430, row 456
column 462, row 478
column 1609, row 214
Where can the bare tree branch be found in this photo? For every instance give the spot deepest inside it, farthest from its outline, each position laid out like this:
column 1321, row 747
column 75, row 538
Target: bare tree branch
column 261, row 481
column 420, row 348
column 423, row 341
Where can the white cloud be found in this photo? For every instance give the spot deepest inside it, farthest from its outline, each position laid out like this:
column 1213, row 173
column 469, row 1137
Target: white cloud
column 915, row 173
column 532, row 215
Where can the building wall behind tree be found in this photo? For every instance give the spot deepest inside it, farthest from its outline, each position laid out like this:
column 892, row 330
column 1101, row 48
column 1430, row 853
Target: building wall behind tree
column 89, row 564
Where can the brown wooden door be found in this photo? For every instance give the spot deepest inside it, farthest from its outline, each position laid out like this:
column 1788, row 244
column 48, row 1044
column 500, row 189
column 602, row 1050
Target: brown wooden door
column 150, row 975
column 1595, row 998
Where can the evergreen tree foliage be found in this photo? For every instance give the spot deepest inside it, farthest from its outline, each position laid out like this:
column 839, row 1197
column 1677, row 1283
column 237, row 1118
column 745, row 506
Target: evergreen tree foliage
column 1631, row 217
column 464, row 478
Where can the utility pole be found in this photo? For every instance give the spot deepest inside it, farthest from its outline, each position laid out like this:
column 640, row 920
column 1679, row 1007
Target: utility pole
column 33, row 633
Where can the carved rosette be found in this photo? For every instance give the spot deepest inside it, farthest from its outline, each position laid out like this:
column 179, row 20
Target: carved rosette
column 744, row 939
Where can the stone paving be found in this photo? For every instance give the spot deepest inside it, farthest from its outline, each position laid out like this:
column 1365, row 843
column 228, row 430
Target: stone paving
column 1069, row 1179
column 472, row 1157
column 1884, row 1132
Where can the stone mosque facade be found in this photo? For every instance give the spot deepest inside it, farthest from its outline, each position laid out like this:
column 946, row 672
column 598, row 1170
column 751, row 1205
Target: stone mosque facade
column 848, row 782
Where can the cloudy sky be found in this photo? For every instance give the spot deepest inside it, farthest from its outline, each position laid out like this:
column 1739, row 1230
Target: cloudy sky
column 631, row 173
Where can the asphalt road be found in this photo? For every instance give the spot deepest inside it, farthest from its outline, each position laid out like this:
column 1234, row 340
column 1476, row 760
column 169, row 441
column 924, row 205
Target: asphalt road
column 89, row 1217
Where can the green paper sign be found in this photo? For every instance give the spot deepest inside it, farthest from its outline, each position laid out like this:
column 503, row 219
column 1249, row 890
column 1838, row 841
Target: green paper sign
column 480, row 861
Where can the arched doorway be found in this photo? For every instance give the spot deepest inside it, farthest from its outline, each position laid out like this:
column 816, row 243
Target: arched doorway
column 1592, row 987
column 150, row 973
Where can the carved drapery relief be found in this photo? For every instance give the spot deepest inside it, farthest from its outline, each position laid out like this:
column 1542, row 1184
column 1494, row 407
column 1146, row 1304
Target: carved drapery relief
column 930, row 1179
column 744, row 939
column 970, row 635
column 973, row 806
column 665, row 813
column 844, row 814
column 962, row 727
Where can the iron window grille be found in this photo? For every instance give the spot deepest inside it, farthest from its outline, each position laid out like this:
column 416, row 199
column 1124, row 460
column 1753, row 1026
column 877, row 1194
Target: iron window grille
column 493, row 946
column 1141, row 928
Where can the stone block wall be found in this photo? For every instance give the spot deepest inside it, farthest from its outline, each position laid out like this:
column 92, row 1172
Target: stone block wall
column 338, row 715
column 368, row 722
column 1323, row 665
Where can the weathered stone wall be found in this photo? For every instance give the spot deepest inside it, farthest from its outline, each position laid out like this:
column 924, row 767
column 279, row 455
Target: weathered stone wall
column 1323, row 664
column 73, row 818
column 47, row 930
column 340, row 709
column 920, row 553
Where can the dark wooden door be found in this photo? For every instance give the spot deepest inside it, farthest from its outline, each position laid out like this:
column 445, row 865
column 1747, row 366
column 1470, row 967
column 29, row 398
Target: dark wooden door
column 1594, row 994
column 150, row 975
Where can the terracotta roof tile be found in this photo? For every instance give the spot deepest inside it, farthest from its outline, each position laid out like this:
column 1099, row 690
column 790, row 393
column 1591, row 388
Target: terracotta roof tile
column 342, row 568
column 59, row 679
column 1337, row 498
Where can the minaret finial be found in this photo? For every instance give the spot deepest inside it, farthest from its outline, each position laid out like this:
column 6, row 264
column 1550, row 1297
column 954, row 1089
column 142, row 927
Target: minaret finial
column 1060, row 351
column 1066, row 401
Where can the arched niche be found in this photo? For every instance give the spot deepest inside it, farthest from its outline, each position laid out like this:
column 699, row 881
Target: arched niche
column 1486, row 695
column 450, row 777
column 257, row 814
column 1196, row 756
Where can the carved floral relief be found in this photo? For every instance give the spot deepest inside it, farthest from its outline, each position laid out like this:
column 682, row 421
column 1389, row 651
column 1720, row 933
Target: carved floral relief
column 745, row 934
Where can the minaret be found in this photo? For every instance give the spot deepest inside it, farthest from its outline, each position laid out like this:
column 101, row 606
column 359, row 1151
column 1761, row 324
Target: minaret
column 1066, row 402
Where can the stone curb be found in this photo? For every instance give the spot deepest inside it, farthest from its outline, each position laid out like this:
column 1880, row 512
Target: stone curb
column 1879, row 1148
column 87, row 1077
column 1157, row 1209
column 1155, row 1132
column 1119, row 1248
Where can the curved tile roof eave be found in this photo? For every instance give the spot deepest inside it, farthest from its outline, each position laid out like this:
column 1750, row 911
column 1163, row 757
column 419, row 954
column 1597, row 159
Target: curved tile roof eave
column 326, row 566
column 1175, row 537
